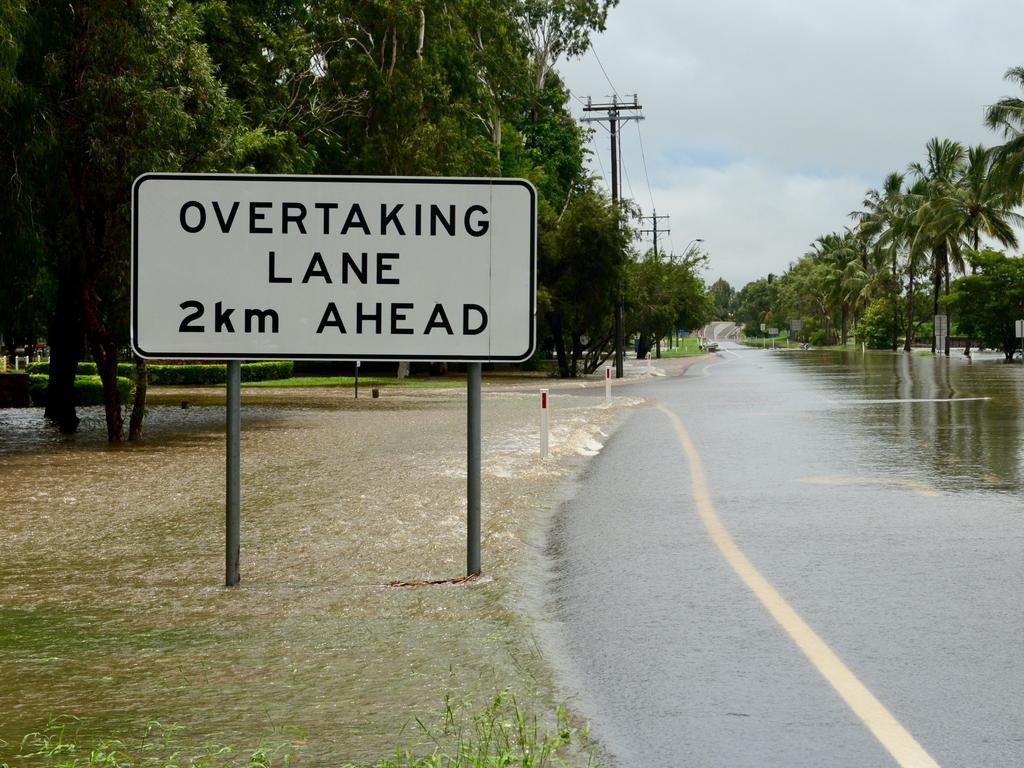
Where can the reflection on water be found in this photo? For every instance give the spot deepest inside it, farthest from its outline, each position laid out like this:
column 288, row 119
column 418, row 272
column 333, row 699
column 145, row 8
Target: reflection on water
column 111, row 604
column 945, row 421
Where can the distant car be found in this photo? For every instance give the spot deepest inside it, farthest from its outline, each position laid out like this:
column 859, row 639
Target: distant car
column 710, row 345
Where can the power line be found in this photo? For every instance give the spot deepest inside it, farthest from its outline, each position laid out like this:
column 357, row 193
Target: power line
column 593, row 50
column 643, row 156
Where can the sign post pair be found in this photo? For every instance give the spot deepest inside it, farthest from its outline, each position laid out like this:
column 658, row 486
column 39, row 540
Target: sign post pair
column 237, row 267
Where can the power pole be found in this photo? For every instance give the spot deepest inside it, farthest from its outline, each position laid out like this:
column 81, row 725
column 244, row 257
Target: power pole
column 654, row 217
column 613, row 114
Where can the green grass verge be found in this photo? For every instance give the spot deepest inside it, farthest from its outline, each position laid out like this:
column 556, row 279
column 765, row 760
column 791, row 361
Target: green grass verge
column 501, row 733
column 689, row 347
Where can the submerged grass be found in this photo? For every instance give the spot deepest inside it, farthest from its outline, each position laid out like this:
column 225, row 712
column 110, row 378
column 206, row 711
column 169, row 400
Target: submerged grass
column 500, row 734
column 60, row 745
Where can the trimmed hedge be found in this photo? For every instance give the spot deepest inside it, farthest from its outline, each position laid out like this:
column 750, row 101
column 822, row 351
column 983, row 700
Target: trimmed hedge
column 88, row 389
column 84, row 369
column 185, row 375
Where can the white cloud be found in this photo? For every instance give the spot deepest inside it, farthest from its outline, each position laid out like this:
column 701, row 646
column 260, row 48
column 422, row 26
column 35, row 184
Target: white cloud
column 766, row 122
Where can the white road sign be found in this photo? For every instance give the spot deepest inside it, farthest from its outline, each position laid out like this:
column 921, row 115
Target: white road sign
column 331, row 267
column 1018, row 327
column 941, row 323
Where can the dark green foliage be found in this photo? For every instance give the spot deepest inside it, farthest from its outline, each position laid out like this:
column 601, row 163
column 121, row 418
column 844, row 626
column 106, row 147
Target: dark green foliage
column 664, row 293
column 582, row 257
column 876, row 328
column 206, row 373
column 988, row 302
column 94, row 94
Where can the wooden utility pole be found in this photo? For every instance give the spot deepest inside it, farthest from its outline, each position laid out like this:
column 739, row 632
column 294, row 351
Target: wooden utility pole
column 613, row 114
column 654, row 217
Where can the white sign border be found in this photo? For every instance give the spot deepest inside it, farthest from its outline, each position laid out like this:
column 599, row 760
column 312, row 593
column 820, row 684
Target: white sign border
column 437, row 180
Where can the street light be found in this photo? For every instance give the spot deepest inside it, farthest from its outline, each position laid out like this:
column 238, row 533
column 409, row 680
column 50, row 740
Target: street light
column 695, row 240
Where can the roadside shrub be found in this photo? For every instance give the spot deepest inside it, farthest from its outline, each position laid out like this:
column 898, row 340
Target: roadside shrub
column 267, row 370
column 216, row 373
column 88, row 389
column 84, row 369
column 876, row 327
column 189, row 374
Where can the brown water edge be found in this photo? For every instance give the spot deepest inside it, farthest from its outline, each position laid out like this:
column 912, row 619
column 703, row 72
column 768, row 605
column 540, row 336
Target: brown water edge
column 111, row 565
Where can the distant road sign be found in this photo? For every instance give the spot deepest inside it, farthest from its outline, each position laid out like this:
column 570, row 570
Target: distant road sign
column 941, row 325
column 796, row 325
column 333, row 267
column 773, row 331
column 1019, row 328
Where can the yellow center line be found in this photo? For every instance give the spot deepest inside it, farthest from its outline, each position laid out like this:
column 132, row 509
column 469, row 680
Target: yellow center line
column 892, row 735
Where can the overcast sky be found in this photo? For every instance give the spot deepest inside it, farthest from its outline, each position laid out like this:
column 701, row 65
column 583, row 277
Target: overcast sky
column 765, row 122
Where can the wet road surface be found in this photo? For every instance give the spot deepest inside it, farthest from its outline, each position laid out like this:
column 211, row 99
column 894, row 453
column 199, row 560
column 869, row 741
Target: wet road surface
column 878, row 499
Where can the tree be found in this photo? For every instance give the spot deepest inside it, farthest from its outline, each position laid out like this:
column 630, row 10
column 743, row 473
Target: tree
column 558, row 28
column 883, row 222
column 116, row 89
column 943, row 164
column 755, row 304
column 582, row 256
column 990, row 300
column 1007, row 117
column 663, row 294
column 724, row 295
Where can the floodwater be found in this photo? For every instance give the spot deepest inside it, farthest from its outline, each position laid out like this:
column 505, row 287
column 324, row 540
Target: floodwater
column 879, row 494
column 112, row 607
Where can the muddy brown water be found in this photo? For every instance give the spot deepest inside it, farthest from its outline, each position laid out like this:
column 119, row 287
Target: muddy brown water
column 112, row 607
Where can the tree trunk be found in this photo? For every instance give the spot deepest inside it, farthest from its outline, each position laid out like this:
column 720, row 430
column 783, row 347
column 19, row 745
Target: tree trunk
column 895, row 305
column 936, row 288
column 65, row 350
column 910, row 309
column 139, row 403
column 577, row 354
column 104, row 351
column 643, row 345
column 846, row 321
column 556, row 330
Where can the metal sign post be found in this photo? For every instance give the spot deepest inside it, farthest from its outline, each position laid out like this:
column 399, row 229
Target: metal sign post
column 941, row 323
column 473, row 469
column 247, row 267
column 232, row 538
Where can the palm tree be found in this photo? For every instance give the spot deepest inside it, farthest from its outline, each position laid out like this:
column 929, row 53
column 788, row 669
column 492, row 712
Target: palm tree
column 976, row 202
column 1007, row 117
column 943, row 164
column 882, row 223
column 845, row 261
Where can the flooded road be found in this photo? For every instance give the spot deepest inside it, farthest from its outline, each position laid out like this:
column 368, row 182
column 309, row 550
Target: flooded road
column 112, row 561
column 869, row 504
